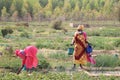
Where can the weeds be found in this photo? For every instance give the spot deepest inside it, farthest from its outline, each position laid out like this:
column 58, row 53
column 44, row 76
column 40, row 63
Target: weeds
column 107, row 61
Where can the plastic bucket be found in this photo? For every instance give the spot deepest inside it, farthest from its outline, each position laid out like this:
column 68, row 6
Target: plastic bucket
column 70, row 51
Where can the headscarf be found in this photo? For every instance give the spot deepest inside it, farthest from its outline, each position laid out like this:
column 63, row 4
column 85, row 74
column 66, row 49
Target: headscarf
column 20, row 53
column 80, row 27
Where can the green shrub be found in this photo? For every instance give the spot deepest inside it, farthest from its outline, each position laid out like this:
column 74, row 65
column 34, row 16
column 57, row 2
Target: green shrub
column 110, row 32
column 57, row 25
column 60, row 68
column 99, row 43
column 107, row 61
column 9, row 36
column 58, row 76
column 20, row 29
column 24, row 34
column 93, row 33
column 54, row 43
column 9, row 62
column 59, row 55
column 6, row 31
column 81, row 76
column 43, row 64
column 108, row 46
column 23, row 43
column 117, row 43
column 105, row 32
column 44, row 43
column 8, row 51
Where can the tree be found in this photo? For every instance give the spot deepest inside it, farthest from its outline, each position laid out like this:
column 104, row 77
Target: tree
column 48, row 9
column 30, row 9
column 117, row 10
column 7, row 4
column 61, row 3
column 84, row 3
column 55, row 3
column 103, row 9
column 76, row 11
column 88, row 7
column 107, row 7
column 36, row 10
column 4, row 14
column 57, row 11
column 24, row 10
column 96, row 5
column 1, row 5
column 27, row 11
column 18, row 6
column 67, row 6
column 72, row 3
column 119, row 13
column 12, row 8
column 14, row 16
column 43, row 3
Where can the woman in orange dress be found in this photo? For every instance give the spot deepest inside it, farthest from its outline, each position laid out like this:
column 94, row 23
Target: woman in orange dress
column 80, row 43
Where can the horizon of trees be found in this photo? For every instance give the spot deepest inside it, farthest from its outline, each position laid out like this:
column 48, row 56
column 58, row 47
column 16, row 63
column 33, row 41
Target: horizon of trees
column 40, row 10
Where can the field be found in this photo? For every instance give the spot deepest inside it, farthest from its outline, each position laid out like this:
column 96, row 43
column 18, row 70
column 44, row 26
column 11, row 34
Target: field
column 54, row 61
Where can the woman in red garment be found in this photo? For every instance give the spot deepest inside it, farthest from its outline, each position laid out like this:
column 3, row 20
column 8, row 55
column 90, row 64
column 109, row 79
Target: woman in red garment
column 29, row 58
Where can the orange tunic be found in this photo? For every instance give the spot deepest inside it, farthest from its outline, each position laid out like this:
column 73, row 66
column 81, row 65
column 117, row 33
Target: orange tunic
column 78, row 49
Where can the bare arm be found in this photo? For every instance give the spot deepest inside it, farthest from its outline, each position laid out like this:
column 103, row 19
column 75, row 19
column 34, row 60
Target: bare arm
column 73, row 40
column 20, row 69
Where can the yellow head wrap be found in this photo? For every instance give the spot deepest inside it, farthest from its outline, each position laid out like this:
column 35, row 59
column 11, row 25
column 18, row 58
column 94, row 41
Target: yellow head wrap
column 80, row 27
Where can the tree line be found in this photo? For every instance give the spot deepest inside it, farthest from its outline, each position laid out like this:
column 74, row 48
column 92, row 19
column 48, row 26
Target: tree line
column 40, row 10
